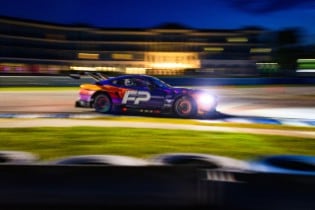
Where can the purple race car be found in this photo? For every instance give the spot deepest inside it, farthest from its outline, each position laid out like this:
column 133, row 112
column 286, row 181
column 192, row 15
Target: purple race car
column 144, row 94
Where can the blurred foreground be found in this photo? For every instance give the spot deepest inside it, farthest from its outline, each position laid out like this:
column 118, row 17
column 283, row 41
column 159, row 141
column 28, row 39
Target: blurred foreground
column 193, row 181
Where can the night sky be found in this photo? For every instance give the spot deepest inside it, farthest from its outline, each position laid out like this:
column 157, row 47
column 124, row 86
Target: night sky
column 200, row 14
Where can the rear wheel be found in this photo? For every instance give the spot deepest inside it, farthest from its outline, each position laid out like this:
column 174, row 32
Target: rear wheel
column 185, row 107
column 102, row 103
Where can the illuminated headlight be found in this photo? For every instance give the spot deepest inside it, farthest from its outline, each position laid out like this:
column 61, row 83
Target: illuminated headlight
column 206, row 101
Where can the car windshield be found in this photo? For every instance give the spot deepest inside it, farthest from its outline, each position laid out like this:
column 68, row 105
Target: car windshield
column 160, row 83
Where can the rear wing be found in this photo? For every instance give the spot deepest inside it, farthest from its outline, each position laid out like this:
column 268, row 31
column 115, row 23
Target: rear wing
column 97, row 76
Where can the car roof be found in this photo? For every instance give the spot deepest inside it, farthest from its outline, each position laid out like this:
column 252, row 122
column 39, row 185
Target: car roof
column 124, row 77
column 132, row 76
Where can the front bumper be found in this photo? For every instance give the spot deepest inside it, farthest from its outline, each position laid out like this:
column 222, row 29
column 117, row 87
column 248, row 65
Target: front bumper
column 83, row 104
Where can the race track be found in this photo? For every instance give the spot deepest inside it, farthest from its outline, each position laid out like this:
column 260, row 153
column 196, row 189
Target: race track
column 264, row 105
column 276, row 101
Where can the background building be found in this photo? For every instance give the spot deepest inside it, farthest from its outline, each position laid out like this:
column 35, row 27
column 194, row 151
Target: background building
column 169, row 49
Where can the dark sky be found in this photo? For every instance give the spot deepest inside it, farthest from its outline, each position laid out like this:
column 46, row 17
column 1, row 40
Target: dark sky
column 205, row 14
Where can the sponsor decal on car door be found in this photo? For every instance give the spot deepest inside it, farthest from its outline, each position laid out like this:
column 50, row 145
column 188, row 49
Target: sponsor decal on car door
column 136, row 97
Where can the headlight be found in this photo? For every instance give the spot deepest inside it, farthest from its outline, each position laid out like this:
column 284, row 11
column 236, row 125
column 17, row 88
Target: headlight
column 206, row 101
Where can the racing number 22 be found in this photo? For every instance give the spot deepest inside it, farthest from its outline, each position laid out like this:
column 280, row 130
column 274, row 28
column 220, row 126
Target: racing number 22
column 136, row 96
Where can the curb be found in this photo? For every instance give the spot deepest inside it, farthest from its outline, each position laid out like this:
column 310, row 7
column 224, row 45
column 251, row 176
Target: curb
column 252, row 120
column 266, row 120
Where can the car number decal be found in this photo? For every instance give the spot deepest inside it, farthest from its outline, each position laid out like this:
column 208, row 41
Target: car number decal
column 136, row 96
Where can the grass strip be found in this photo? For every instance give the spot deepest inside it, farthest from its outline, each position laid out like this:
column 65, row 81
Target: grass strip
column 50, row 143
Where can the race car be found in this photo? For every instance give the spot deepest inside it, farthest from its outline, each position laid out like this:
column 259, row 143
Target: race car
column 143, row 94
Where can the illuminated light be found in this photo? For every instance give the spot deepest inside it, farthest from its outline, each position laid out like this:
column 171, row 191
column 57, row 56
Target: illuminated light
column 304, row 60
column 135, row 70
column 306, row 65
column 305, row 70
column 206, row 99
column 89, row 68
column 205, row 102
column 214, row 49
column 82, row 68
column 124, row 109
column 122, row 56
column 268, row 67
column 237, row 39
column 262, row 65
column 94, row 56
column 170, row 65
column 16, row 67
column 13, row 64
column 171, row 60
column 260, row 50
column 267, row 63
column 106, row 68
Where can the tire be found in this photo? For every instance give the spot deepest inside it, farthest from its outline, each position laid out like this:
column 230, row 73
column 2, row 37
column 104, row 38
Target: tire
column 102, row 103
column 185, row 107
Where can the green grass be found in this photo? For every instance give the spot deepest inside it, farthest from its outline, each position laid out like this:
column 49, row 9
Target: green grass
column 50, row 143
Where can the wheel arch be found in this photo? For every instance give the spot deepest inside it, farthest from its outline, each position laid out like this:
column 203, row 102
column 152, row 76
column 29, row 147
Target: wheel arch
column 195, row 106
column 98, row 93
column 184, row 95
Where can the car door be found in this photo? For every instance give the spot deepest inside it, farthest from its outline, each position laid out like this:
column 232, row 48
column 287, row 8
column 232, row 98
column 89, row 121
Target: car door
column 143, row 95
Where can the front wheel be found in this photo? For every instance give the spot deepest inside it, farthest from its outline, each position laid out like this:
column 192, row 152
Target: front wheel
column 185, row 107
column 102, row 103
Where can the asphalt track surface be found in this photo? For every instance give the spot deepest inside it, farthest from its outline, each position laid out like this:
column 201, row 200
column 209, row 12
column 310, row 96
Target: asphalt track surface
column 269, row 101
column 270, row 104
